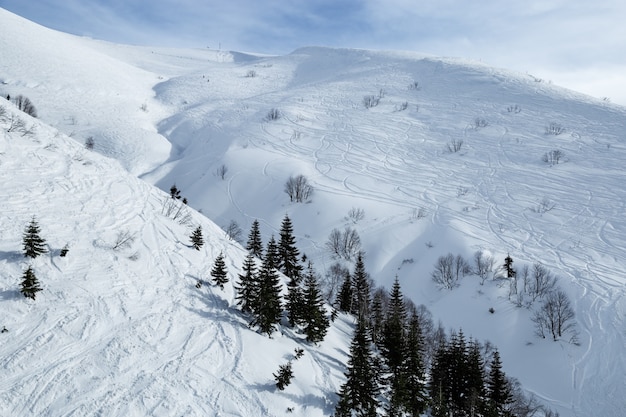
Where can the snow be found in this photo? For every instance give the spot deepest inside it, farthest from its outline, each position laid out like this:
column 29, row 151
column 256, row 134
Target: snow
column 127, row 333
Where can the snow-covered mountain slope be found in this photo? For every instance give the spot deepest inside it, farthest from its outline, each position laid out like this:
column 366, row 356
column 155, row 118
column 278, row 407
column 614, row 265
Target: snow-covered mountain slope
column 205, row 109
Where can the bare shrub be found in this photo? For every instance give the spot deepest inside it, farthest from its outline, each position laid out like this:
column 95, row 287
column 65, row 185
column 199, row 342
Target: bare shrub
column 554, row 129
column 544, row 206
column 418, row 213
column 414, row 85
column 403, row 106
column 480, row 122
column 273, row 114
column 123, row 240
column 298, row 189
column 555, row 317
column 444, row 275
column 455, row 145
column 175, row 207
column 233, row 231
column 355, row 215
column 221, row 171
column 251, row 74
column 483, row 265
column 25, row 105
column 553, row 157
column 514, row 109
column 346, row 244
column 370, row 101
column 89, row 143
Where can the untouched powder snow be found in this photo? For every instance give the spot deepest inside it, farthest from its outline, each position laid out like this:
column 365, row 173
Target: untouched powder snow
column 127, row 333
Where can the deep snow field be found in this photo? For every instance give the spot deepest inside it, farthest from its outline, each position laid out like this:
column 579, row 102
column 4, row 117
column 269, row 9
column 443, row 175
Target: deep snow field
column 126, row 332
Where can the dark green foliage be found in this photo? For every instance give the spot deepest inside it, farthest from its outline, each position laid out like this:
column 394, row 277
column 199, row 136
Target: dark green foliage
column 361, row 296
column 196, row 238
column 283, row 376
column 30, row 284
column 64, row 251
column 247, row 286
column 358, row 395
column 499, row 396
column 377, row 319
column 255, row 244
column 294, row 305
column 288, row 253
column 416, row 395
column 267, row 310
column 34, row 245
column 175, row 192
column 508, row 267
column 393, row 348
column 219, row 271
column 316, row 322
column 344, row 298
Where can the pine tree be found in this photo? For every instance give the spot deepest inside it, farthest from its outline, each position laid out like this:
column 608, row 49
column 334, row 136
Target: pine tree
column 344, row 298
column 255, row 244
column 316, row 322
column 475, row 376
column 508, row 267
column 288, row 254
column 219, row 271
column 361, row 298
column 394, row 350
column 34, row 245
column 283, row 376
column 358, row 395
column 294, row 305
column 439, row 383
column 30, row 284
column 268, row 309
column 196, row 238
column 377, row 319
column 417, row 396
column 499, row 395
column 247, row 286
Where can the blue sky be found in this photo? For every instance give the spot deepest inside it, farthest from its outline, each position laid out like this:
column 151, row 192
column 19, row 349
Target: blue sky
column 578, row 44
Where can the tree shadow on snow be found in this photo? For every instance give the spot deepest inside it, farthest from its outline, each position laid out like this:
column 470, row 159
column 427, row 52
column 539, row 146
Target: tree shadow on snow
column 10, row 255
column 6, row 295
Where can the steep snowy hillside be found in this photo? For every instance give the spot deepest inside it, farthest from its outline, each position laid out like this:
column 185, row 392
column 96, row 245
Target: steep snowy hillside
column 447, row 156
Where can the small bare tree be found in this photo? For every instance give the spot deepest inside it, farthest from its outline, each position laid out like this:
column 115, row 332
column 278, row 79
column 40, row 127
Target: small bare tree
column 553, row 157
column 298, row 189
column 541, row 282
column 123, row 240
column 554, row 129
column 346, row 244
column 221, row 171
column 483, row 265
column 25, row 105
column 89, row 143
column 233, row 231
column 370, row 101
column 273, row 114
column 444, row 275
column 555, row 316
column 355, row 215
column 454, row 145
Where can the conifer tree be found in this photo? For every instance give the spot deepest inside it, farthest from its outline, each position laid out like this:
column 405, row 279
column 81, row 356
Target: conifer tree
column 394, row 350
column 316, row 322
column 358, row 395
column 288, row 253
column 416, row 397
column 475, row 376
column 508, row 267
column 283, row 376
column 196, row 238
column 344, row 297
column 34, row 245
column 439, row 382
column 255, row 244
column 499, row 395
column 30, row 284
column 268, row 309
column 377, row 319
column 219, row 271
column 361, row 295
column 247, row 286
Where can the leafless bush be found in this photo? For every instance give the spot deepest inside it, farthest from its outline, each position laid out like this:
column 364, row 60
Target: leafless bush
column 555, row 316
column 443, row 275
column 346, row 244
column 273, row 114
column 370, row 101
column 89, row 143
column 3, row 114
column 483, row 265
column 25, row 105
column 544, row 206
column 514, row 109
column 176, row 209
column 554, row 129
column 480, row 122
column 541, row 282
column 298, row 189
column 414, row 86
column 18, row 125
column 355, row 215
column 553, row 157
column 221, row 171
column 418, row 213
column 251, row 74
column 455, row 145
column 403, row 106
column 234, row 232
column 123, row 240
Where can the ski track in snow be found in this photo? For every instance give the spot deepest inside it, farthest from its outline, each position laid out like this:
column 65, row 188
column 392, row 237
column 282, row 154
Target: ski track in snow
column 127, row 333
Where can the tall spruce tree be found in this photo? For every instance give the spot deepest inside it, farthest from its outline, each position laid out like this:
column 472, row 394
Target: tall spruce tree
column 30, row 284
column 288, row 254
column 440, row 382
column 34, row 244
column 508, row 267
column 361, row 291
column 416, row 394
column 219, row 272
column 377, row 316
column 475, row 376
column 247, row 287
column 344, row 297
column 268, row 309
column 196, row 238
column 499, row 394
column 358, row 395
column 255, row 244
column 316, row 322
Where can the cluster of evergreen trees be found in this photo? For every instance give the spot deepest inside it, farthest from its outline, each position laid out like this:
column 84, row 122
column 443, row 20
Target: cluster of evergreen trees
column 400, row 365
column 259, row 288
